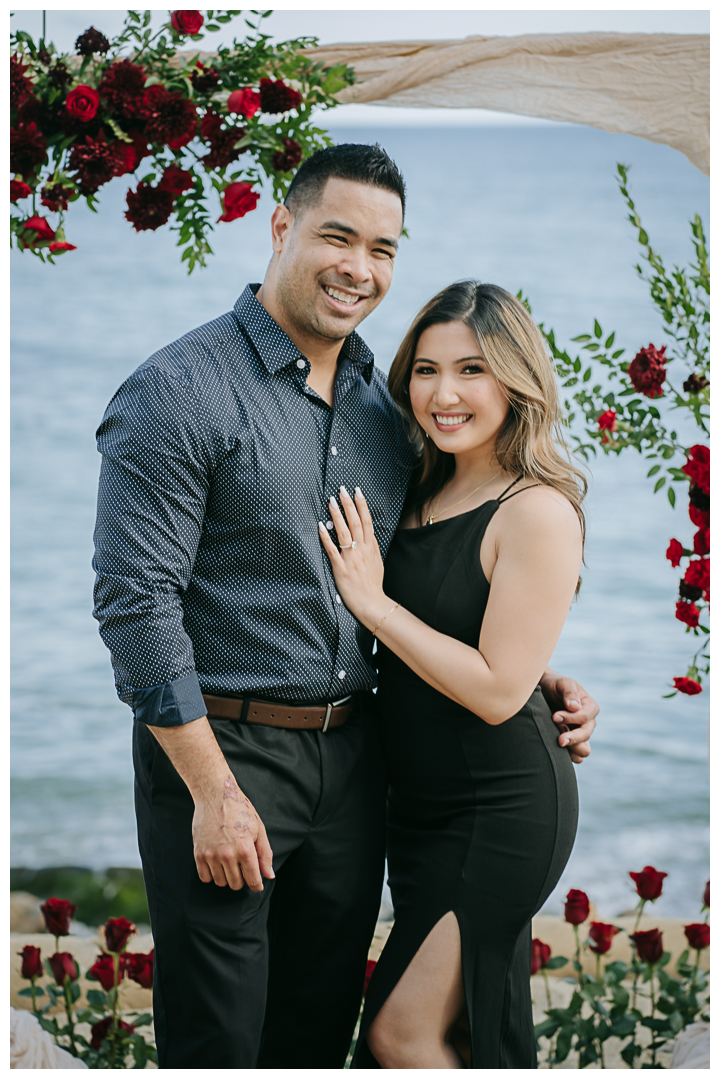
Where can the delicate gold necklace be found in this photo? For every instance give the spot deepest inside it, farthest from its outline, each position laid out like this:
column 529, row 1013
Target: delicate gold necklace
column 435, row 512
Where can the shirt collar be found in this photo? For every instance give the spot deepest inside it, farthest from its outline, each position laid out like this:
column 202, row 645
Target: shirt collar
column 275, row 348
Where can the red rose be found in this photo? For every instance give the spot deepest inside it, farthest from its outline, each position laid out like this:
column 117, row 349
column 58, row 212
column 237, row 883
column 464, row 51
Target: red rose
column 122, row 86
column 701, row 542
column 648, row 882
column 601, row 935
column 607, row 421
column 57, row 913
column 287, row 160
column 148, row 207
column 186, row 22
column 32, row 965
column 139, row 967
column 238, row 199
column 687, row 613
column 28, row 149
column 647, row 371
column 58, row 246
column 176, row 180
column 99, row 1032
column 41, row 226
column 577, row 907
column 104, row 970
column 82, row 102
column 277, row 97
column 540, row 955
column 706, row 895
column 687, row 686
column 698, row 935
column 674, row 552
column 19, row 190
column 117, row 933
column 698, row 573
column 649, row 945
column 244, row 101
column 699, row 517
column 369, row 968
column 64, row 967
column 697, row 467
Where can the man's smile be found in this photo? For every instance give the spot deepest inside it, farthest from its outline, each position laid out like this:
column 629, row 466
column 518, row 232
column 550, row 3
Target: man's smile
column 343, row 300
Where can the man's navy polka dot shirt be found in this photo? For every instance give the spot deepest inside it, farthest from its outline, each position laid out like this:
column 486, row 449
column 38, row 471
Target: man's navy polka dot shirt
column 218, row 461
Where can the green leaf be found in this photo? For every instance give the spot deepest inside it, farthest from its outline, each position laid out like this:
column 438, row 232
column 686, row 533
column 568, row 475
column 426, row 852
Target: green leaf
column 623, row 1027
column 546, row 1029
column 581, row 337
column 609, row 340
column 660, row 483
column 556, row 962
column 564, row 1042
column 588, row 375
column 598, row 329
column 671, row 496
column 139, row 1052
column 96, row 998
column 655, row 469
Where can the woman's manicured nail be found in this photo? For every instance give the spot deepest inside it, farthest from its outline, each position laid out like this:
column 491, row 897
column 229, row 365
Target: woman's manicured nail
column 321, row 527
column 333, row 502
column 359, row 492
column 344, row 491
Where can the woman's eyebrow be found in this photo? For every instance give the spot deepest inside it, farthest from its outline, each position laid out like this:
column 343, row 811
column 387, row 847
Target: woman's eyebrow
column 462, row 360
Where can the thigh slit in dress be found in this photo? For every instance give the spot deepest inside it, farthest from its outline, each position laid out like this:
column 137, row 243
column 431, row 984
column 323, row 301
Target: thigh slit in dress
column 481, row 818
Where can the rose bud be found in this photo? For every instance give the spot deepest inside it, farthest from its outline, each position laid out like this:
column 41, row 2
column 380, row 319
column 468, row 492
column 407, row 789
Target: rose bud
column 64, row 967
column 117, row 933
column 577, row 907
column 57, row 915
column 648, row 882
column 649, row 945
column 369, row 968
column 698, row 935
column 99, row 1032
column 706, row 895
column 601, row 937
column 540, row 955
column 32, row 965
column 139, row 967
column 104, row 970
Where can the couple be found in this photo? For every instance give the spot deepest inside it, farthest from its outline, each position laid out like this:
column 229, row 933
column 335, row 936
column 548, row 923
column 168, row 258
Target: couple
column 269, row 507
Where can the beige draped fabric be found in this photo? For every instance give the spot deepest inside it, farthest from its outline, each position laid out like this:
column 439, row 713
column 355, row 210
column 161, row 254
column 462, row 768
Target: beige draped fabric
column 656, row 86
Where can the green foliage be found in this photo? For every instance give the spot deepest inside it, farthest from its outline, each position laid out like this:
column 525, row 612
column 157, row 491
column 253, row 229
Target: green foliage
column 99, row 895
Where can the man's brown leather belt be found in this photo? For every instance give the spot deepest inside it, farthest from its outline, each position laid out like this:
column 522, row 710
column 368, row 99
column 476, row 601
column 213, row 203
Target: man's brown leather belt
column 275, row 714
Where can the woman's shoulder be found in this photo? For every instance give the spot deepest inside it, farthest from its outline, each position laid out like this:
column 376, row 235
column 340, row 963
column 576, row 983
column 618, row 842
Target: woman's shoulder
column 542, row 507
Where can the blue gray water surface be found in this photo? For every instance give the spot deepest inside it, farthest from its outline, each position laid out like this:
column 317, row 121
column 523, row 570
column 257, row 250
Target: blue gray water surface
column 535, row 208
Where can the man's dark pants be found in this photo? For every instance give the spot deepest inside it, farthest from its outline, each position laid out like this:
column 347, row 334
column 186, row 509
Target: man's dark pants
column 271, row 979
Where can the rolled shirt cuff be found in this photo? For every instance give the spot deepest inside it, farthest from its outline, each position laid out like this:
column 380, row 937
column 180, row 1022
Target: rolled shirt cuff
column 170, row 704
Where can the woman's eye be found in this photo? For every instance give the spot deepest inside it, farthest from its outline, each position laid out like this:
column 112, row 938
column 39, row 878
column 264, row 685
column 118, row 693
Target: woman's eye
column 473, row 369
column 424, row 369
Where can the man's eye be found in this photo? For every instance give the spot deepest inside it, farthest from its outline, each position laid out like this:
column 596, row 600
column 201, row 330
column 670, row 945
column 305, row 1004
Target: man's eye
column 384, row 253
column 340, row 239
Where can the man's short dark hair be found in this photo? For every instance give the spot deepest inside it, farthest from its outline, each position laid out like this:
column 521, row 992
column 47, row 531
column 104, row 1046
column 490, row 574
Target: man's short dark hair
column 348, row 161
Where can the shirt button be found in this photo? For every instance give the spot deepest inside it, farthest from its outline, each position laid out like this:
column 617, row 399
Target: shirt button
column 333, row 451
column 338, row 598
column 329, row 526
column 300, row 364
column 341, row 674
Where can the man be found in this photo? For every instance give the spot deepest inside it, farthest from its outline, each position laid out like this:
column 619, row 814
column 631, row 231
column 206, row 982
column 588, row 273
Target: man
column 255, row 747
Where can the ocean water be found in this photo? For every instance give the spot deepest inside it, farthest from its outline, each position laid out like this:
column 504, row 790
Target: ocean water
column 531, row 207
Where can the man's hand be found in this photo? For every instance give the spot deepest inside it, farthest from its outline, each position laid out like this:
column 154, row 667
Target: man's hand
column 574, row 712
column 229, row 839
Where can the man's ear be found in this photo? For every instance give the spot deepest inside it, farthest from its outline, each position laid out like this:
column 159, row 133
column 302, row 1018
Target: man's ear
column 280, row 226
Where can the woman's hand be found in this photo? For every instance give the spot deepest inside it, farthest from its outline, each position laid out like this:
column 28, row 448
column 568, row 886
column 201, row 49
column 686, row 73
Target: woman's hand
column 358, row 566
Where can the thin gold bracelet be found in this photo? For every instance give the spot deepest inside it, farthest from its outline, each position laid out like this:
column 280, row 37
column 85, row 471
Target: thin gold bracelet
column 384, row 618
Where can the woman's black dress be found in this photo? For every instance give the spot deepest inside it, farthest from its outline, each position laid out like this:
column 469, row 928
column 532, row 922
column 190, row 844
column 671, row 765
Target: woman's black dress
column 481, row 818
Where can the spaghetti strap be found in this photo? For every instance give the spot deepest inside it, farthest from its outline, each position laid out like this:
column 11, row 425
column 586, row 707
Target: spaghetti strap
column 504, row 497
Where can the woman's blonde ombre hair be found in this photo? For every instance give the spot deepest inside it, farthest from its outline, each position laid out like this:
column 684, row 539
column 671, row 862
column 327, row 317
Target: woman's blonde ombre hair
column 530, row 443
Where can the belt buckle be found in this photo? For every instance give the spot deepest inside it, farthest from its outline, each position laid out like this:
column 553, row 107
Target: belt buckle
column 328, row 711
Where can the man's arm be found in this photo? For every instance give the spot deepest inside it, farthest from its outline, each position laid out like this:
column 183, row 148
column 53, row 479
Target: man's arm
column 574, row 712
column 229, row 839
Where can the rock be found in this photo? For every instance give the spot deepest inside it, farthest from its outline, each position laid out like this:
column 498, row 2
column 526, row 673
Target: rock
column 692, row 1048
column 33, row 1048
column 25, row 914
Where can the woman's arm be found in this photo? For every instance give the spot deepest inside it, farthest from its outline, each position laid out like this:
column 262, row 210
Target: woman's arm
column 538, row 555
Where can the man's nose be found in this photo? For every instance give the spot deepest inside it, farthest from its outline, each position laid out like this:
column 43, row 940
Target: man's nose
column 355, row 265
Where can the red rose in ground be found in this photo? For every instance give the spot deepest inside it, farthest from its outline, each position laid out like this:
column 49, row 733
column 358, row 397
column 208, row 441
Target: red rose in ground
column 170, row 118
column 649, row 945
column 687, row 686
column 706, row 895
column 277, row 97
column 601, row 935
column 697, row 467
column 176, row 180
column 204, row 80
column 122, row 87
column 104, row 970
column 19, row 190
column 58, row 913
column 698, row 935
column 117, row 933
column 139, row 966
column 687, row 613
column 82, row 102
column 148, row 207
column 287, row 161
column 577, row 907
column 27, row 149
column 58, row 246
column 186, row 22
column 648, row 882
column 244, row 101
column 238, row 199
column 369, row 968
column 21, row 88
column 647, row 371
column 32, row 965
column 607, row 421
column 95, row 162
column 698, row 573
column 695, row 383
column 99, row 1032
column 56, row 197
column 63, row 967
column 674, row 552
column 539, row 956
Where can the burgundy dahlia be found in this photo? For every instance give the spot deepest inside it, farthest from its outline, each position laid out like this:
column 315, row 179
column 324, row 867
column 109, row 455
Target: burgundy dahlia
column 21, row 87
column 28, row 149
column 290, row 159
column 700, row 500
column 94, row 162
column 277, row 97
column 176, row 180
column 122, row 86
column 689, row 592
column 58, row 75
column 92, row 41
column 221, row 141
column 148, row 207
column 56, row 197
column 204, row 80
column 695, row 383
column 647, row 371
column 170, row 118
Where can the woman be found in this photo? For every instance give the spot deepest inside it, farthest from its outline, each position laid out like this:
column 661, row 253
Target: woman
column 482, row 806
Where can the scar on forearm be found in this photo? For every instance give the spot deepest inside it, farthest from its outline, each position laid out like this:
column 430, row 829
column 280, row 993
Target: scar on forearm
column 230, row 790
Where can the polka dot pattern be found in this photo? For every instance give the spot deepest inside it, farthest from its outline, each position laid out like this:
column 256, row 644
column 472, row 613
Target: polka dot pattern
column 218, row 461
